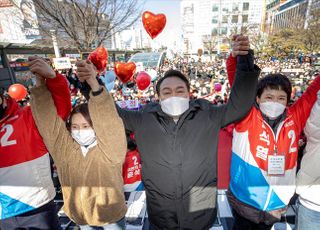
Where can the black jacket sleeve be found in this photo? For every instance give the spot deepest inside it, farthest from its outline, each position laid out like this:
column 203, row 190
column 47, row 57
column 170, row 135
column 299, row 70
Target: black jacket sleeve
column 131, row 119
column 243, row 92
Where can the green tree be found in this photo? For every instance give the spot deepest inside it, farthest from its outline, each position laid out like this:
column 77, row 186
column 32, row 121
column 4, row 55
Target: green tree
column 284, row 42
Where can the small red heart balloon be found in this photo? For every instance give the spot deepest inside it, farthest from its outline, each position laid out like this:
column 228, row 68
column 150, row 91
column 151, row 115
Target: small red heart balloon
column 99, row 58
column 125, row 71
column 17, row 92
column 153, row 23
column 143, row 80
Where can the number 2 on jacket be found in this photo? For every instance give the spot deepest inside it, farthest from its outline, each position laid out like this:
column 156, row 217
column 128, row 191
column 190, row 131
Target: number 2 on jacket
column 292, row 136
column 5, row 138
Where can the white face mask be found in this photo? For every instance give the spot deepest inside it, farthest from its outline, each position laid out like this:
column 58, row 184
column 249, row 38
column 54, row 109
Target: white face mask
column 84, row 136
column 175, row 106
column 272, row 109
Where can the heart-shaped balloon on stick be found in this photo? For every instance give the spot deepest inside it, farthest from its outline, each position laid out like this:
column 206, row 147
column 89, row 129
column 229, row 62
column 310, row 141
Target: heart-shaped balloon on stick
column 125, row 71
column 99, row 57
column 143, row 80
column 153, row 23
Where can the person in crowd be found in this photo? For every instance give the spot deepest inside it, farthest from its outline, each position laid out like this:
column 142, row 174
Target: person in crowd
column 265, row 149
column 308, row 178
column 73, row 90
column 88, row 153
column 26, row 188
column 177, row 141
column 131, row 169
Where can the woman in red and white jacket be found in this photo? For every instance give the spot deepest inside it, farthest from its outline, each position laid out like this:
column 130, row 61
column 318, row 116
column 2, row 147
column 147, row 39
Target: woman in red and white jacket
column 265, row 149
column 26, row 188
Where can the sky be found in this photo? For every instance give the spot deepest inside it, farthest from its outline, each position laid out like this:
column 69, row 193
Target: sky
column 171, row 8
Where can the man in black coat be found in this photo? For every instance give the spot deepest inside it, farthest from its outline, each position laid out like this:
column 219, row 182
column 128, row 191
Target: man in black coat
column 177, row 139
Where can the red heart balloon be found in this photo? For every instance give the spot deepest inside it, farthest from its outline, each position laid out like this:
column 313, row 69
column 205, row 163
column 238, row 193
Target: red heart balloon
column 17, row 92
column 143, row 80
column 99, row 58
column 153, row 23
column 125, row 71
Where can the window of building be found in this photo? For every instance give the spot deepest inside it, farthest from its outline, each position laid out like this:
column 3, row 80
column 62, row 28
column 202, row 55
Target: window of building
column 245, row 6
column 214, row 31
column 224, row 30
column 244, row 18
column 215, row 8
column 224, row 19
column 214, row 20
column 225, row 9
column 234, row 19
column 235, row 7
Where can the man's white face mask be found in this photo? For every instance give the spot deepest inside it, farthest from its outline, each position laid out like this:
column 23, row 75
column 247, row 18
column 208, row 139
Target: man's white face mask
column 272, row 109
column 175, row 106
column 84, row 137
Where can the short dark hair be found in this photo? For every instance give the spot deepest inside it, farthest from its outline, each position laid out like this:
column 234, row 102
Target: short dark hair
column 84, row 110
column 172, row 73
column 275, row 81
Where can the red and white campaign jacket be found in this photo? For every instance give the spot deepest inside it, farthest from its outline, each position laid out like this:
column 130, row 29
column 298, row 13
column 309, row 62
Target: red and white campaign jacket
column 254, row 140
column 25, row 176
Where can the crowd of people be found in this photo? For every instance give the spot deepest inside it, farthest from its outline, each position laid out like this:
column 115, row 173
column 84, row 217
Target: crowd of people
column 203, row 76
column 175, row 125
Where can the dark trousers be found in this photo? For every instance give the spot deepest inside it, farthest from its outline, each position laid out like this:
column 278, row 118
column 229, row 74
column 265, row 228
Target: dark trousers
column 241, row 223
column 43, row 218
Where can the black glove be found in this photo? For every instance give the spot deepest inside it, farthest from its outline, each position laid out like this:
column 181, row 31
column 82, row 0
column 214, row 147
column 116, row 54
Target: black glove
column 246, row 62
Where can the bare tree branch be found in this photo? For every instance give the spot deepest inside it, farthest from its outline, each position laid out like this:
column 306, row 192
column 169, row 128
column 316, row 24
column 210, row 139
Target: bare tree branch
column 86, row 22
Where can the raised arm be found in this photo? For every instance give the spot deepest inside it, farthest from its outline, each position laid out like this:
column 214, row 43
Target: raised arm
column 107, row 124
column 302, row 107
column 312, row 128
column 231, row 65
column 240, row 46
column 60, row 92
column 131, row 119
column 49, row 124
column 243, row 91
column 58, row 86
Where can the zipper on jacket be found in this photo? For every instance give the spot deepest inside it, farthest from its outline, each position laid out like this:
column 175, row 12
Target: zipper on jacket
column 179, row 194
column 275, row 137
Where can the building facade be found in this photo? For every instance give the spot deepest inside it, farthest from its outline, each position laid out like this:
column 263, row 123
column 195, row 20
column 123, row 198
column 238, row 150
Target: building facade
column 18, row 22
column 288, row 14
column 207, row 20
column 132, row 38
column 272, row 7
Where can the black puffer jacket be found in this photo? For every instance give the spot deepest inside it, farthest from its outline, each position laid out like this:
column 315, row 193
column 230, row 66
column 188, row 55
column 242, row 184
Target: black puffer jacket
column 179, row 161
